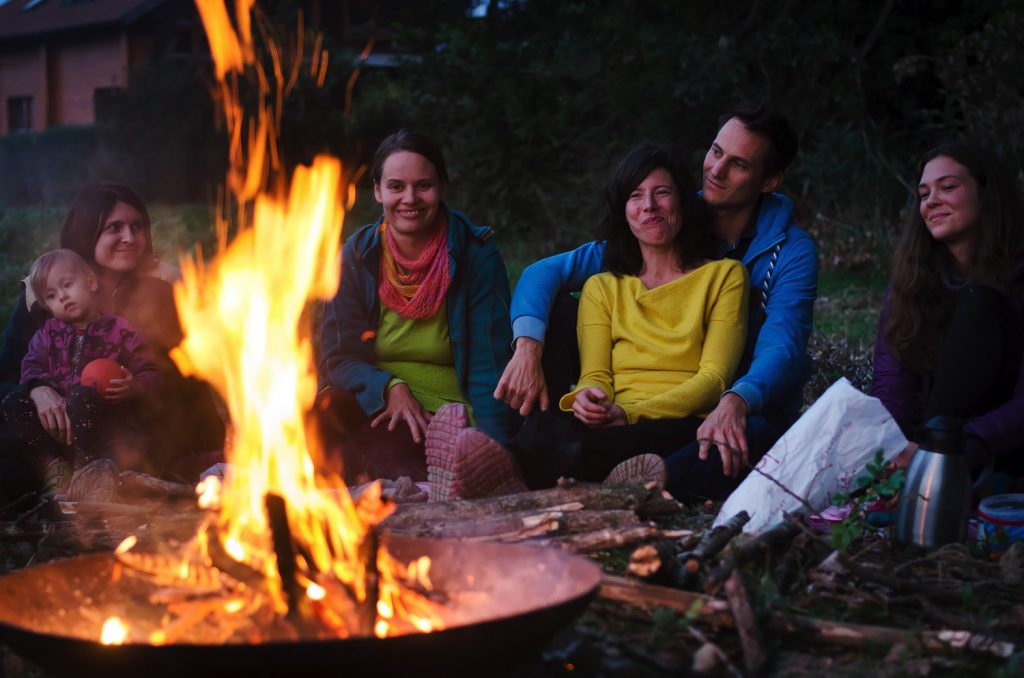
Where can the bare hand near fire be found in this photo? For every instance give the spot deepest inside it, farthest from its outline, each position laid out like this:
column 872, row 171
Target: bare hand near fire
column 401, row 405
column 522, row 384
column 120, row 390
column 725, row 428
column 53, row 413
column 591, row 406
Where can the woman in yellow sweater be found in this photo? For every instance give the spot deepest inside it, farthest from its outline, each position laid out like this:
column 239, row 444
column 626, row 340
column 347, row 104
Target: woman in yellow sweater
column 661, row 332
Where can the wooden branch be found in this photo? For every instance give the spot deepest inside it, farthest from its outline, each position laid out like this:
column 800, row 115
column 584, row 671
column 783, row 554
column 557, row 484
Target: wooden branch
column 783, row 533
column 718, row 613
column 861, row 636
column 589, row 496
column 132, row 482
column 607, row 538
column 746, row 624
column 649, row 596
column 713, row 541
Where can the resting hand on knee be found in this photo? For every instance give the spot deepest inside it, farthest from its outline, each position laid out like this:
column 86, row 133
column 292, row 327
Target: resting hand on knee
column 53, row 413
column 401, row 405
column 522, row 383
column 726, row 428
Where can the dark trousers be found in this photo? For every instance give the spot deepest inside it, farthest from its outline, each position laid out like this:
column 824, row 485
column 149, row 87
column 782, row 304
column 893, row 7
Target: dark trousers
column 977, row 367
column 692, row 480
column 972, row 376
column 358, row 452
column 98, row 429
column 553, row 444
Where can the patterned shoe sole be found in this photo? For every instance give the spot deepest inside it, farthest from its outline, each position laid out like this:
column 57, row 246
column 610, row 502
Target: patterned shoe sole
column 442, row 433
column 483, row 468
column 643, row 468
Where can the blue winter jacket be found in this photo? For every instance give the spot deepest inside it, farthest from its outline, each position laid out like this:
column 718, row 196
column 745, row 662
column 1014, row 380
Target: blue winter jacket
column 478, row 323
column 783, row 265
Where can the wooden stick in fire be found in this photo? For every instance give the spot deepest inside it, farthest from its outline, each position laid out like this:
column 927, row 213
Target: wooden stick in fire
column 281, row 533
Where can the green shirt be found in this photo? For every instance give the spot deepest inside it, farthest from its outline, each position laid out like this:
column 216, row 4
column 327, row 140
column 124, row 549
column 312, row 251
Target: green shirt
column 419, row 354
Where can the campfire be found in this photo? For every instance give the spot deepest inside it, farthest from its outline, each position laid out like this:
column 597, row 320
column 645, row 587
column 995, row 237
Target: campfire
column 283, row 554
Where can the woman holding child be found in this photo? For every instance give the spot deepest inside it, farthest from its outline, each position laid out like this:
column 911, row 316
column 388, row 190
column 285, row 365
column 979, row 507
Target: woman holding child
column 951, row 333
column 414, row 341
column 108, row 226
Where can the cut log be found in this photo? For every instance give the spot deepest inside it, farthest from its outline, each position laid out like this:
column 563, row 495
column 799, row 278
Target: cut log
column 650, row 596
column 781, row 534
column 589, row 496
column 140, row 483
column 746, row 624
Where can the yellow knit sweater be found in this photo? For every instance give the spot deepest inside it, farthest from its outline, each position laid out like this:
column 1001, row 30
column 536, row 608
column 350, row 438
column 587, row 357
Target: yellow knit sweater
column 668, row 352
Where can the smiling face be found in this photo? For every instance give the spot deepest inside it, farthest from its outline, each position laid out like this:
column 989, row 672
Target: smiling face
column 949, row 201
column 411, row 194
column 734, row 168
column 652, row 210
column 70, row 294
column 122, row 241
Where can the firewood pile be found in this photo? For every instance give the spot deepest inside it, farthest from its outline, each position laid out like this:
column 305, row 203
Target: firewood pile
column 677, row 596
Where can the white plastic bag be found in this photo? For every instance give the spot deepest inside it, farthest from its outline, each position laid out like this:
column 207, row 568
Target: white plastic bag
column 820, row 455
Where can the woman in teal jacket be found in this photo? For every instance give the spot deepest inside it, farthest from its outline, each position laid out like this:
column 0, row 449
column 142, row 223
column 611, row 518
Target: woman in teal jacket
column 421, row 319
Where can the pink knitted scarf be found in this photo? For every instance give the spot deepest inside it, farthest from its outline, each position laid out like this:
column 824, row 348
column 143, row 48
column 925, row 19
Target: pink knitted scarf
column 415, row 288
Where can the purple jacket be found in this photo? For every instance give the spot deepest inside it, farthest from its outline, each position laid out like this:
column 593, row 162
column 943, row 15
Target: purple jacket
column 48, row 361
column 904, row 391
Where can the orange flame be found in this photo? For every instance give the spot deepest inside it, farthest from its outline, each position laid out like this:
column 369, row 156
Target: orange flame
column 247, row 335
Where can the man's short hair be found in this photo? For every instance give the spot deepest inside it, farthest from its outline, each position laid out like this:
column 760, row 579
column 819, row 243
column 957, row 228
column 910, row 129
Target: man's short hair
column 761, row 119
column 42, row 266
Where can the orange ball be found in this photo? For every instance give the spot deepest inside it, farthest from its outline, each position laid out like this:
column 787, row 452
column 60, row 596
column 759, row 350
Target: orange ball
column 99, row 372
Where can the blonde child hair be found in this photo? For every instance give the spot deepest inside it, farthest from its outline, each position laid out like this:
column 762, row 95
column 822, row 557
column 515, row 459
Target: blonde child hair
column 42, row 266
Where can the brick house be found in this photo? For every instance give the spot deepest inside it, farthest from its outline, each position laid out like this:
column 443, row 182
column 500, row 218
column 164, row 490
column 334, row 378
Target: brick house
column 60, row 60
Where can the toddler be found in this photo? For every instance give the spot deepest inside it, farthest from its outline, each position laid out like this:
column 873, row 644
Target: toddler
column 79, row 332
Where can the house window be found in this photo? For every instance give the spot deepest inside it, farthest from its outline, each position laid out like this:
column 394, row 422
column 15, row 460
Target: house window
column 19, row 114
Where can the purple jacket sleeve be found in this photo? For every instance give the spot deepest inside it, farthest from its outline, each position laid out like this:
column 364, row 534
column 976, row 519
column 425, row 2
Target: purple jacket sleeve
column 899, row 388
column 35, row 367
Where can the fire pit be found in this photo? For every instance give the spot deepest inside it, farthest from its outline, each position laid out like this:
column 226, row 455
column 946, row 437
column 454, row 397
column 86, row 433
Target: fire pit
column 503, row 601
column 286, row 574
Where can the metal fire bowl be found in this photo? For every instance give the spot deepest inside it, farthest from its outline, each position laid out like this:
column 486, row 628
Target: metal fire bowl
column 510, row 599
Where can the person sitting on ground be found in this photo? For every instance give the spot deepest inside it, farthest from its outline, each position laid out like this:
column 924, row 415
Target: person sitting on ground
column 420, row 320
column 78, row 333
column 109, row 227
column 951, row 332
column 660, row 332
column 752, row 224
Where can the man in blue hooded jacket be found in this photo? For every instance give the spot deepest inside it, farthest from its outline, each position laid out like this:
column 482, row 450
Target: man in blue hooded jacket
column 753, row 224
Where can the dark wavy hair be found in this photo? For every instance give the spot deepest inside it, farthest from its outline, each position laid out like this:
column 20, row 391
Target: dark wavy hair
column 89, row 211
column 773, row 126
column 412, row 142
column 622, row 250
column 919, row 304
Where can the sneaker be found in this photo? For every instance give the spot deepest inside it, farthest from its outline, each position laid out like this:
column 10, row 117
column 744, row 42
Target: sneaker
column 641, row 469
column 483, row 468
column 442, row 432
column 56, row 477
column 479, row 467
